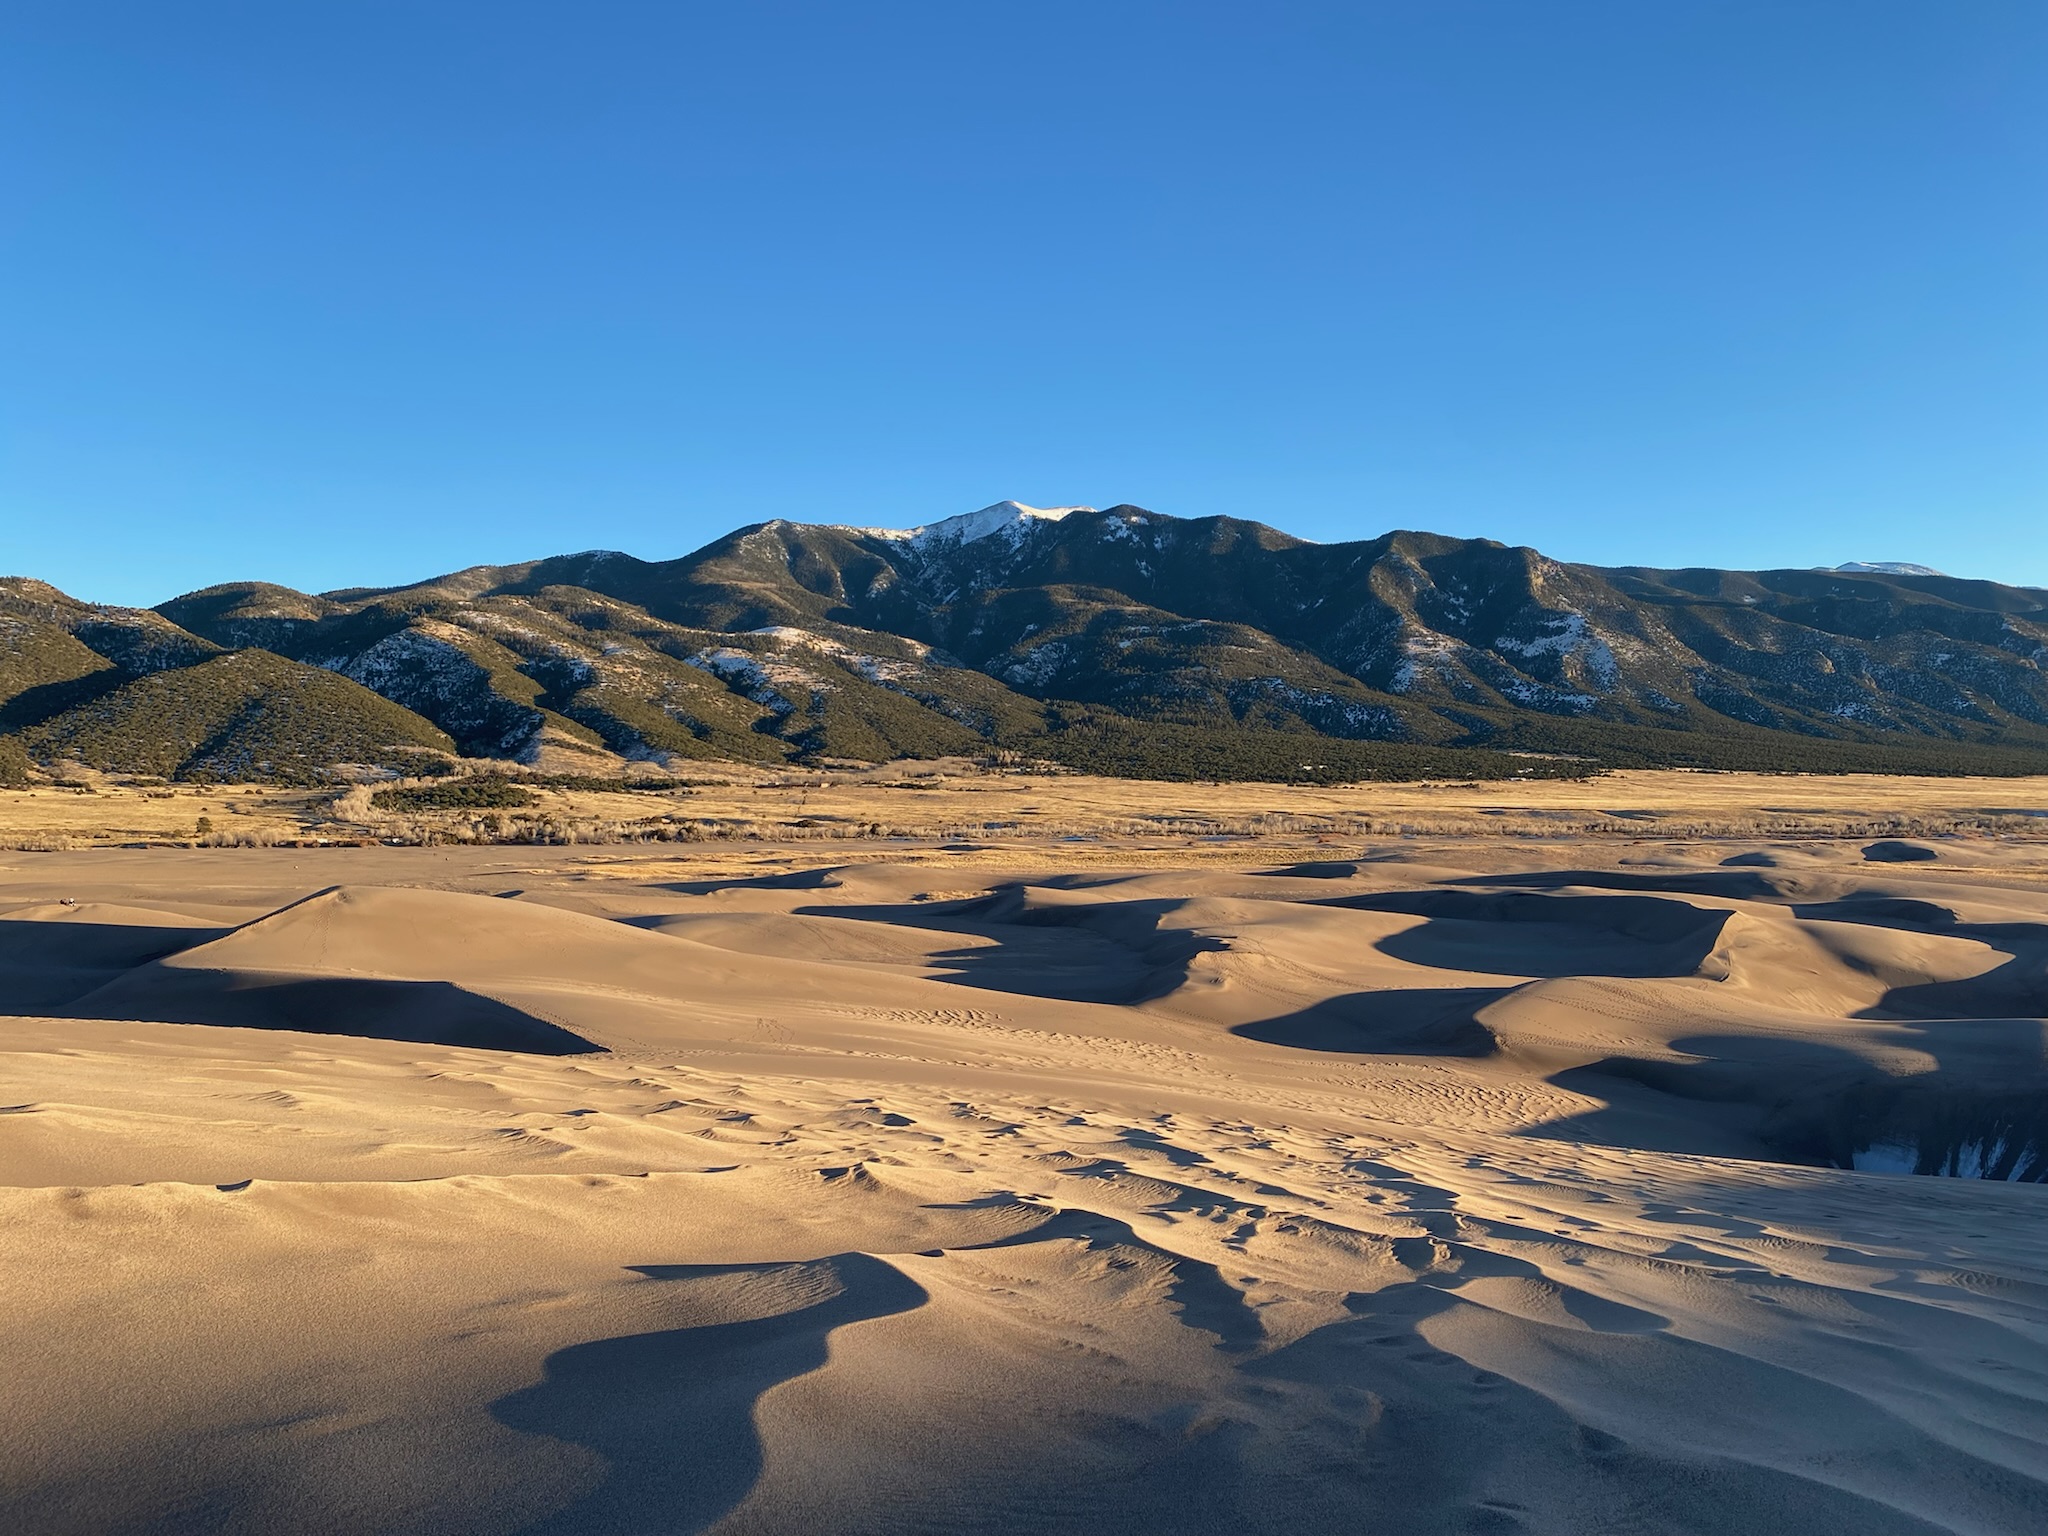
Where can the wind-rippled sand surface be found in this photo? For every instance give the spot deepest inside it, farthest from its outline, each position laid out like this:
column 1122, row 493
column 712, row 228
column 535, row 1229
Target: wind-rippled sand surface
column 1435, row 1186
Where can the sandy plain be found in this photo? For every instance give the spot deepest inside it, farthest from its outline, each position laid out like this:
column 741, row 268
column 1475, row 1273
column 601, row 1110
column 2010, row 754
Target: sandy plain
column 1157, row 1177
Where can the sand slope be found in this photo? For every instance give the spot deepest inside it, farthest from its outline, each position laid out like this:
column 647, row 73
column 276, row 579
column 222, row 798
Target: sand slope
column 1433, row 1188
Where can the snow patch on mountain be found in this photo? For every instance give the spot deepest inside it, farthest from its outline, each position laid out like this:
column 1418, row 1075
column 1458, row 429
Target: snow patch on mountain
column 750, row 676
column 777, row 679
column 1037, row 666
column 1321, row 709
column 1008, row 520
column 1426, row 652
column 1524, row 690
column 427, row 667
column 885, row 670
column 1883, row 568
column 1566, row 635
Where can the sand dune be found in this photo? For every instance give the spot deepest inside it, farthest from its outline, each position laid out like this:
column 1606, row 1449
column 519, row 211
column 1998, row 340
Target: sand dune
column 1466, row 1186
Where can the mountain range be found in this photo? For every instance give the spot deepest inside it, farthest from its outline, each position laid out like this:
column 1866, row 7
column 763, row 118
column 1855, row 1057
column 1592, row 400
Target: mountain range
column 1119, row 640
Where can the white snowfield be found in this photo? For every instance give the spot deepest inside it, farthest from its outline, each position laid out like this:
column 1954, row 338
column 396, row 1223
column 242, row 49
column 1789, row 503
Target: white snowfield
column 1010, row 519
column 1886, row 568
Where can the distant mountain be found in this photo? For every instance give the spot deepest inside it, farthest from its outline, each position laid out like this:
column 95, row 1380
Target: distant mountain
column 243, row 715
column 1118, row 639
column 128, row 690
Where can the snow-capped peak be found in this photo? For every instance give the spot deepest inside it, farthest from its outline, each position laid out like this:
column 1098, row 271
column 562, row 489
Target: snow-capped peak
column 1009, row 518
column 1886, row 568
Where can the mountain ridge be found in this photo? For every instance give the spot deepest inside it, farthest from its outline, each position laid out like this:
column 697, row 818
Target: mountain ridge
column 1054, row 631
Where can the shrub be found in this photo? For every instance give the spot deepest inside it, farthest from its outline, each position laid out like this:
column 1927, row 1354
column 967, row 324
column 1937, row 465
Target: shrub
column 477, row 792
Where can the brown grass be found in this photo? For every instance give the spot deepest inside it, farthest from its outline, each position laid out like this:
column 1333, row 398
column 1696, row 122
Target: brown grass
column 958, row 803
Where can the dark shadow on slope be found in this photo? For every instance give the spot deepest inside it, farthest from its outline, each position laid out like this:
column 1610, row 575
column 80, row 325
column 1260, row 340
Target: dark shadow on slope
column 46, row 966
column 1893, row 850
column 1725, row 884
column 1513, row 933
column 672, row 1412
column 1929, row 1129
column 1110, row 952
column 1361, row 1424
column 1070, row 968
column 32, row 706
column 795, row 880
column 1424, row 1021
column 2018, row 989
column 1432, row 1443
column 1152, row 1141
column 1316, row 869
column 1902, row 912
column 1197, row 1291
column 1728, row 1098
column 1982, row 1113
column 421, row 1012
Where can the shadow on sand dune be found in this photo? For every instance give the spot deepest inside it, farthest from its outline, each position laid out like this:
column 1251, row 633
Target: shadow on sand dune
column 1982, row 1110
column 1726, row 884
column 65, row 968
column 1109, row 952
column 420, row 1012
column 45, row 966
column 1423, row 1021
column 1982, row 1113
column 672, row 1413
column 821, row 879
column 1441, row 1443
column 1518, row 934
column 2017, row 989
column 1378, row 1420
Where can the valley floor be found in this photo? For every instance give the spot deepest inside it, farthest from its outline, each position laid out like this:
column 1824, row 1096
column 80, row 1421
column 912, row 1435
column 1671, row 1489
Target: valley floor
column 892, row 809
column 1421, row 1184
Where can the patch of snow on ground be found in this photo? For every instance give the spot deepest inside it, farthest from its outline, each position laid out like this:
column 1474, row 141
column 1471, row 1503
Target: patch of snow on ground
column 404, row 652
column 1368, row 718
column 1540, row 696
column 1970, row 1160
column 1433, row 651
column 876, row 669
column 1036, row 669
column 1565, row 631
column 1568, row 633
column 749, row 675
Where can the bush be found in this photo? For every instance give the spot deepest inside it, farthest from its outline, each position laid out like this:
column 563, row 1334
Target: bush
column 478, row 792
column 592, row 784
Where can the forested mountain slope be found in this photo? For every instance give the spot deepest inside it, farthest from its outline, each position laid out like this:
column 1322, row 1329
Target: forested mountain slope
column 1119, row 639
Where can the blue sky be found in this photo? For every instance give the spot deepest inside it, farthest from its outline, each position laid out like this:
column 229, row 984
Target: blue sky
column 337, row 293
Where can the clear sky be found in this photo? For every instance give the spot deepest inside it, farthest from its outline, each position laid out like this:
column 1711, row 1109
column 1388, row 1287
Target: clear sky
column 353, row 291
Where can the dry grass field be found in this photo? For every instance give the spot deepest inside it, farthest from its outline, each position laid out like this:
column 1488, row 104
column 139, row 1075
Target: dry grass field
column 879, row 812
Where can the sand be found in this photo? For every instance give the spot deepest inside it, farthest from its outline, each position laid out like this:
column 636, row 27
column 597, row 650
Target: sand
column 1426, row 1184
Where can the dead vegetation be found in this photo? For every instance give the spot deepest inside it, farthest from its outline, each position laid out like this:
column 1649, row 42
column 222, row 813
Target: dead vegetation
column 958, row 803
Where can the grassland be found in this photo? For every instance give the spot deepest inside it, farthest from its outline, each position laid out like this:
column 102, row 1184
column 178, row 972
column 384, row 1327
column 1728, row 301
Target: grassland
column 896, row 810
